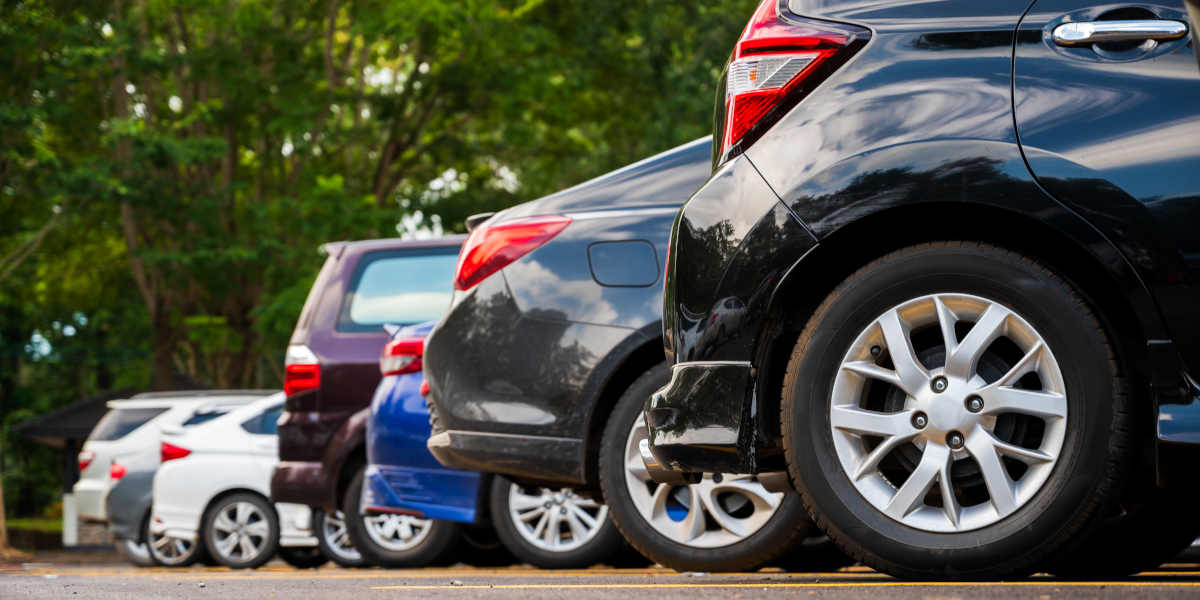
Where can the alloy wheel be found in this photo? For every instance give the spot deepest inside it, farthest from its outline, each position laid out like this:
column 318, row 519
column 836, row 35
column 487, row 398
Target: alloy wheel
column 948, row 412
column 555, row 520
column 397, row 532
column 337, row 537
column 240, row 531
column 722, row 509
column 170, row 551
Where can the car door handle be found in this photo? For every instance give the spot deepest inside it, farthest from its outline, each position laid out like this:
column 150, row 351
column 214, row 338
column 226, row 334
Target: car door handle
column 1092, row 32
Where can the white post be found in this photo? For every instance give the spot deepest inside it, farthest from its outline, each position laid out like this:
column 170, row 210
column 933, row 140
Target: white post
column 70, row 535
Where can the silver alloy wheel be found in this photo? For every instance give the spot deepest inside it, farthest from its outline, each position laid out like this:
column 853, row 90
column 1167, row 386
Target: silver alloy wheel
column 240, row 531
column 721, row 510
column 950, row 428
column 170, row 551
column 135, row 550
column 337, row 537
column 555, row 520
column 397, row 533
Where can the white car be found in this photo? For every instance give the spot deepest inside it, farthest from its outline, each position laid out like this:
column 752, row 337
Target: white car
column 213, row 487
column 127, row 438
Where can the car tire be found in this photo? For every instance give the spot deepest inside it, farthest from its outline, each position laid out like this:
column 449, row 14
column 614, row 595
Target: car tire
column 333, row 538
column 428, row 542
column 135, row 552
column 479, row 546
column 539, row 526
column 816, row 554
column 241, row 531
column 171, row 552
column 303, row 557
column 1139, row 535
column 1052, row 390
column 781, row 527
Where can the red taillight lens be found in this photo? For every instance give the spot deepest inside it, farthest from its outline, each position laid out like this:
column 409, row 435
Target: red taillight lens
column 301, row 370
column 116, row 470
column 775, row 61
column 172, row 452
column 85, row 459
column 424, row 389
column 402, row 356
column 492, row 247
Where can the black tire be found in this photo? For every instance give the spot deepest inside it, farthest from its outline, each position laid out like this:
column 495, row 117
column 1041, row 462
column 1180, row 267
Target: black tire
column 786, row 528
column 442, row 536
column 479, row 546
column 1095, row 451
column 341, row 551
column 1139, row 535
column 196, row 552
column 303, row 557
column 817, row 554
column 268, row 542
column 606, row 543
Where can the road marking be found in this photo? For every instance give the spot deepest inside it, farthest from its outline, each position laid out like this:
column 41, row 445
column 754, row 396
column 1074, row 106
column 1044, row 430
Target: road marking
column 844, row 584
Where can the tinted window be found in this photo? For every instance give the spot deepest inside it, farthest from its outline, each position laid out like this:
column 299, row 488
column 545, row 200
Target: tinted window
column 400, row 288
column 266, row 422
column 121, row 421
column 203, row 417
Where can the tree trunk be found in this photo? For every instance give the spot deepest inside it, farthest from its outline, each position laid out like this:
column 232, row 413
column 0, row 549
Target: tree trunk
column 163, row 352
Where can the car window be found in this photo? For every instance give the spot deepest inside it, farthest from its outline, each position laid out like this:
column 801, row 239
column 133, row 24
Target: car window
column 203, row 417
column 264, row 423
column 119, row 422
column 398, row 287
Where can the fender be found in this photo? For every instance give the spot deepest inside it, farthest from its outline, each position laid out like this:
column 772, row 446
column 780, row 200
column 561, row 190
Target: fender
column 349, row 439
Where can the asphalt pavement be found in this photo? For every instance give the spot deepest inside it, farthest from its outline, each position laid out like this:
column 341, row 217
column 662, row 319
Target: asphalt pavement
column 118, row 581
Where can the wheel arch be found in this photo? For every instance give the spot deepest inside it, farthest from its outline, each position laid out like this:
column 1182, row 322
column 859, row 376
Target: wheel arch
column 231, row 492
column 1078, row 254
column 639, row 354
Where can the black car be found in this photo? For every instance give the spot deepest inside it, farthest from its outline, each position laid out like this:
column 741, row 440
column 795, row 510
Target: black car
column 541, row 367
column 962, row 239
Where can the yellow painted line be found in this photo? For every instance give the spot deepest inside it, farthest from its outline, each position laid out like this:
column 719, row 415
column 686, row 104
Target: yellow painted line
column 748, row 585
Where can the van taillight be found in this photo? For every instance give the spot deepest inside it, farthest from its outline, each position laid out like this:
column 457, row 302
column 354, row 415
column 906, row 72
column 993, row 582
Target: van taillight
column 492, row 247
column 775, row 63
column 172, row 452
column 301, row 370
column 402, row 356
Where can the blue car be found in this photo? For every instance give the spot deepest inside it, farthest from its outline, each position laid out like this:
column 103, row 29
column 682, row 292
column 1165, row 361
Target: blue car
column 417, row 511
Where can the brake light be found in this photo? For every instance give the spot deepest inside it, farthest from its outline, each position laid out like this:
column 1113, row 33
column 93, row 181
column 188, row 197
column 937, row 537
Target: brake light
column 301, row 370
column 85, row 459
column 116, row 470
column 492, row 247
column 402, row 356
column 775, row 63
column 424, row 389
column 172, row 452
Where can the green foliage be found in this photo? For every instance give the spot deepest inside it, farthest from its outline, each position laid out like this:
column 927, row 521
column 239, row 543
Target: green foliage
column 169, row 168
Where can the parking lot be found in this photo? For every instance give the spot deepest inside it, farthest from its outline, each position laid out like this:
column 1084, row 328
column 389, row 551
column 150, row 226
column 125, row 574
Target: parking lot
column 111, row 580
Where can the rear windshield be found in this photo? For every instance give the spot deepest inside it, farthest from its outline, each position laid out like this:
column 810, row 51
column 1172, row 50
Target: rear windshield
column 203, row 417
column 398, row 287
column 120, row 422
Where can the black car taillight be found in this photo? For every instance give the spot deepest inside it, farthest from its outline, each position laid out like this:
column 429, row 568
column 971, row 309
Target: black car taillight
column 490, row 248
column 777, row 61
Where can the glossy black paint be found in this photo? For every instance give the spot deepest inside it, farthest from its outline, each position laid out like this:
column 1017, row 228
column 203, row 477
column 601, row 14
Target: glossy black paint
column 522, row 364
column 915, row 140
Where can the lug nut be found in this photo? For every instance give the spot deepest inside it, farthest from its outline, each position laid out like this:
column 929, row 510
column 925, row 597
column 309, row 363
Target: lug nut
column 876, row 350
column 919, row 420
column 974, row 404
column 562, row 510
column 955, row 440
column 939, row 384
column 717, row 477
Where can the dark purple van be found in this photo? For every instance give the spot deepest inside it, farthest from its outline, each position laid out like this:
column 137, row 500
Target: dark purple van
column 332, row 365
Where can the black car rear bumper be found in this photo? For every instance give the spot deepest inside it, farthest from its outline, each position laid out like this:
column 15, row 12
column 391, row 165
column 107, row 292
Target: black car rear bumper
column 508, row 454
column 697, row 422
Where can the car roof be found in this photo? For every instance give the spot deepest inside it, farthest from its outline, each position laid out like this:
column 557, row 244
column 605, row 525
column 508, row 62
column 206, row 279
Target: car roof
column 395, row 243
column 189, row 398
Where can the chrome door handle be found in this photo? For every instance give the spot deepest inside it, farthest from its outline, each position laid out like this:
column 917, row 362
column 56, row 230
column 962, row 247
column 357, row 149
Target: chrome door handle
column 1092, row 32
